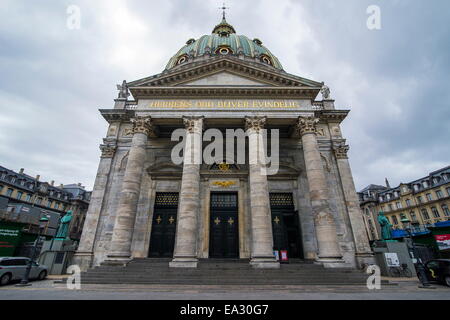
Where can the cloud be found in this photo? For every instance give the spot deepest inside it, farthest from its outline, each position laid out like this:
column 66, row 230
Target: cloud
column 394, row 80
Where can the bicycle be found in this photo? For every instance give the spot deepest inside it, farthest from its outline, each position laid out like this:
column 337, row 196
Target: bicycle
column 402, row 271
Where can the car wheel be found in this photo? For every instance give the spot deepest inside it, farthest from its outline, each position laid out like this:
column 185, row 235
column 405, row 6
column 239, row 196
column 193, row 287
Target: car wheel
column 42, row 275
column 5, row 279
column 447, row 280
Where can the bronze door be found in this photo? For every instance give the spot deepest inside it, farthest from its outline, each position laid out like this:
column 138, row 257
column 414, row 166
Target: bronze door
column 162, row 240
column 224, row 238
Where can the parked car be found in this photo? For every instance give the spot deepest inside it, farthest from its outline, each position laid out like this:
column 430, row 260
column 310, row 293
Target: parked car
column 13, row 268
column 438, row 270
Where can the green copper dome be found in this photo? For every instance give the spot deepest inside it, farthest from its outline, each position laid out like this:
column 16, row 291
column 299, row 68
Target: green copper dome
column 224, row 41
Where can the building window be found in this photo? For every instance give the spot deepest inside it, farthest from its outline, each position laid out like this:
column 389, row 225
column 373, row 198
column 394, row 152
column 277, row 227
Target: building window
column 416, row 187
column 448, row 191
column 445, row 210
column 396, row 194
column 413, row 216
column 445, row 177
column 425, row 215
column 399, row 205
column 390, row 207
column 13, row 179
column 435, row 180
column 1, row 188
column 19, row 195
column 9, row 192
column 435, row 212
column 429, row 197
column 39, row 201
column 425, row 184
column 28, row 197
column 22, row 182
column 395, row 220
column 49, row 203
column 419, row 199
column 439, row 194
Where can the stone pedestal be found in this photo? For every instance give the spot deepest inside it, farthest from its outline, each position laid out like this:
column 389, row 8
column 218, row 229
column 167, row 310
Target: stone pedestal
column 261, row 225
column 363, row 254
column 85, row 253
column 185, row 252
column 120, row 249
column 329, row 251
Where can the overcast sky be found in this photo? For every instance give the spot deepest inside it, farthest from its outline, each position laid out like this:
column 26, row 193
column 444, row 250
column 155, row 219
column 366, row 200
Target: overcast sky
column 395, row 80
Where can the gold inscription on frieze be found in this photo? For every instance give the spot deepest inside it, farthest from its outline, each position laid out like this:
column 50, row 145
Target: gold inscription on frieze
column 222, row 104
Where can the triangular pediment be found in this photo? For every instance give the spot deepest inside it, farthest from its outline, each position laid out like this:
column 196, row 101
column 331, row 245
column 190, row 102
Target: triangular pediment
column 224, row 69
column 224, row 78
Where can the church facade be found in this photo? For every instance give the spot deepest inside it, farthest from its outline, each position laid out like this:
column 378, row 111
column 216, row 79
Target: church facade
column 146, row 204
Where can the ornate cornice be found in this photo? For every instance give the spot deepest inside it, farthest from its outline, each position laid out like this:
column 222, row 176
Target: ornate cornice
column 108, row 150
column 193, row 124
column 340, row 150
column 143, row 125
column 255, row 123
column 332, row 115
column 116, row 115
column 162, row 92
column 307, row 125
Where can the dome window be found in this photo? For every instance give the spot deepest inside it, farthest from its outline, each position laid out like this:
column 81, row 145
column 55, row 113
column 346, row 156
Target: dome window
column 190, row 41
column 224, row 50
column 266, row 60
column 182, row 59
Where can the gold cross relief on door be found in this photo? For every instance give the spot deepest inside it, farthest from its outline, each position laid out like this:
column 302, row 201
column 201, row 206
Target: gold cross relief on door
column 171, row 220
column 217, row 221
column 158, row 220
column 276, row 220
column 230, row 221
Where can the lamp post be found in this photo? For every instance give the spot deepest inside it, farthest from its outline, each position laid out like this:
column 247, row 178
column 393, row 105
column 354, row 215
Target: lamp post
column 24, row 282
column 419, row 265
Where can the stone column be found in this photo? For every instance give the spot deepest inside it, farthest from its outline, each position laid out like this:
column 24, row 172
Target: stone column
column 120, row 248
column 85, row 253
column 329, row 252
column 363, row 251
column 185, row 252
column 261, row 221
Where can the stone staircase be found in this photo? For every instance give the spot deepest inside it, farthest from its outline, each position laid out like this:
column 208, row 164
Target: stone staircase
column 221, row 272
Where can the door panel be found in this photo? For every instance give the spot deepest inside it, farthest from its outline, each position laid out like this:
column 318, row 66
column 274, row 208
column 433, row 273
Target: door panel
column 162, row 239
column 224, row 239
column 285, row 225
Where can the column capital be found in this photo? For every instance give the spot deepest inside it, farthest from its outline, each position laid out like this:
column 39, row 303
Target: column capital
column 307, row 125
column 143, row 125
column 192, row 124
column 255, row 123
column 340, row 150
column 108, row 150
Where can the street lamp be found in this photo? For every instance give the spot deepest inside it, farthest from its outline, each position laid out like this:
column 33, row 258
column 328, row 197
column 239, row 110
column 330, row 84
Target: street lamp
column 419, row 265
column 24, row 282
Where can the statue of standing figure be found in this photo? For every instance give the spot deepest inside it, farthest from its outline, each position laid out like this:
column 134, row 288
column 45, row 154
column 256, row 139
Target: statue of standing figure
column 63, row 230
column 123, row 90
column 325, row 92
column 385, row 225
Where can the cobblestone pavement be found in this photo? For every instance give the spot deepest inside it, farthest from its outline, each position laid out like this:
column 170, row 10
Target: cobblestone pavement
column 399, row 289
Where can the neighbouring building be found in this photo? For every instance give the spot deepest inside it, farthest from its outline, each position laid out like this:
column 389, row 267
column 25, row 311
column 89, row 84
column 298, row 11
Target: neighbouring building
column 146, row 205
column 424, row 202
column 25, row 199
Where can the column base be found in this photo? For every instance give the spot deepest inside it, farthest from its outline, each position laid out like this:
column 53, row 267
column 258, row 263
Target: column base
column 331, row 262
column 183, row 263
column 364, row 259
column 116, row 260
column 264, row 263
column 83, row 260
